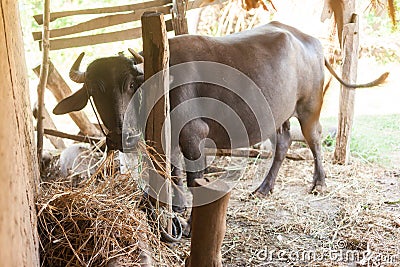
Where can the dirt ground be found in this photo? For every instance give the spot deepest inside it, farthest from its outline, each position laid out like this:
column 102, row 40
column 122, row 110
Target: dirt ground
column 356, row 222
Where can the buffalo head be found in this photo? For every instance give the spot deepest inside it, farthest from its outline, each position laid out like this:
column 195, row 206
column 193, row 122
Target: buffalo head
column 111, row 82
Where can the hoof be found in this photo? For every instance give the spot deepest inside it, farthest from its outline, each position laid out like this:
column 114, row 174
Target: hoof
column 260, row 194
column 318, row 189
column 187, row 231
column 179, row 209
column 186, row 227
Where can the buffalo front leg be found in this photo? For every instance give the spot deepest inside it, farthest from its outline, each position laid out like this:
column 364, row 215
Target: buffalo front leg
column 191, row 141
column 178, row 197
column 283, row 142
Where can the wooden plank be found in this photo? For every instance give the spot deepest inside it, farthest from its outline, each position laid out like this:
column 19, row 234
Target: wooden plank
column 347, row 95
column 57, row 85
column 102, row 38
column 123, row 35
column 156, row 53
column 179, row 17
column 102, row 10
column 101, row 22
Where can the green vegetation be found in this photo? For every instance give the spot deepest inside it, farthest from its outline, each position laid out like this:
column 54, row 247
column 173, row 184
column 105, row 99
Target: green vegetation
column 374, row 138
column 381, row 24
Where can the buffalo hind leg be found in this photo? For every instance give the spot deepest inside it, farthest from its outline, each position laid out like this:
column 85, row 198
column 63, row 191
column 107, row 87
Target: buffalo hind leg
column 311, row 129
column 283, row 142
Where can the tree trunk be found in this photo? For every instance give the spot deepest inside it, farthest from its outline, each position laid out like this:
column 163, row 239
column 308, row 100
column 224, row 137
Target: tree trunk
column 18, row 164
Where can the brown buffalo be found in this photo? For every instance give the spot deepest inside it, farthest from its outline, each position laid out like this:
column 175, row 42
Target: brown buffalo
column 286, row 64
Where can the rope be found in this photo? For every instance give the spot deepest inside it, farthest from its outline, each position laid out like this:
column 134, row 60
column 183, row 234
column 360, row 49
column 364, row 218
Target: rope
column 95, row 113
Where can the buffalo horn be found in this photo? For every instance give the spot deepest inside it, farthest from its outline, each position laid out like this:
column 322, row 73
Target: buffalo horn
column 76, row 75
column 136, row 55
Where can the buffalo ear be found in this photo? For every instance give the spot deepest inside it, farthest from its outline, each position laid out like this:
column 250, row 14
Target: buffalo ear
column 140, row 79
column 140, row 67
column 75, row 102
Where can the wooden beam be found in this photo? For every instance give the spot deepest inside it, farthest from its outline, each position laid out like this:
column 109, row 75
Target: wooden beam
column 156, row 53
column 179, row 17
column 303, row 154
column 248, row 152
column 200, row 3
column 126, row 8
column 57, row 85
column 115, row 36
column 78, row 138
column 62, row 43
column 349, row 73
column 102, row 10
column 101, row 22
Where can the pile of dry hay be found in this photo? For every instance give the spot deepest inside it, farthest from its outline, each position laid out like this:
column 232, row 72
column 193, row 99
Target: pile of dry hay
column 97, row 222
column 228, row 17
column 359, row 217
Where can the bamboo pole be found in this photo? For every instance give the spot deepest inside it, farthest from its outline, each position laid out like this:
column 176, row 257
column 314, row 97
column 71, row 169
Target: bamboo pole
column 44, row 71
column 57, row 142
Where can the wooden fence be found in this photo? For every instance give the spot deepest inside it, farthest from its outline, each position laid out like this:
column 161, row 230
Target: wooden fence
column 116, row 15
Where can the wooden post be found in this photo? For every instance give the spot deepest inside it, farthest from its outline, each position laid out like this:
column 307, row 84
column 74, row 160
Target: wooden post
column 60, row 89
column 350, row 44
column 179, row 16
column 19, row 243
column 208, row 225
column 156, row 54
